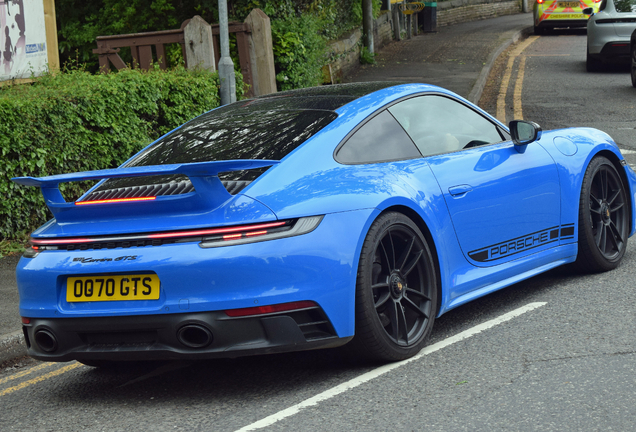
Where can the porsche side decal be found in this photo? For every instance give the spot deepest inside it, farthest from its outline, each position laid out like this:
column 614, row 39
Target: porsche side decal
column 523, row 243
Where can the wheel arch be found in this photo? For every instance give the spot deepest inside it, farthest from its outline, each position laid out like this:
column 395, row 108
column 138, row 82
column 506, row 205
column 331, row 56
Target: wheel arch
column 611, row 156
column 595, row 252
column 421, row 224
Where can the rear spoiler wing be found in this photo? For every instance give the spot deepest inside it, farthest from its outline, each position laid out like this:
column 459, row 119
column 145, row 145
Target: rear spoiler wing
column 209, row 191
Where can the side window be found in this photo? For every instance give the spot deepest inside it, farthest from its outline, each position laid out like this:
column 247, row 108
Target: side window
column 438, row 124
column 381, row 139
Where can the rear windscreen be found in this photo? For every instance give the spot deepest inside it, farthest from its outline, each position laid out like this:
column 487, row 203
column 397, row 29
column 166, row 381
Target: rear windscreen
column 236, row 135
column 241, row 133
column 625, row 5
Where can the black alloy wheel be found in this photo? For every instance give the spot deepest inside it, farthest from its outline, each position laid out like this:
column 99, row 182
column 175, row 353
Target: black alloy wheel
column 396, row 295
column 603, row 217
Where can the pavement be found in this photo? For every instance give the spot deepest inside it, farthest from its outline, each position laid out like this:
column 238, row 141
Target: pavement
column 458, row 57
column 11, row 339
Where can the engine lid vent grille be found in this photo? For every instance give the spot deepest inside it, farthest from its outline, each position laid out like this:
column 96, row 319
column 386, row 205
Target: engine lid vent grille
column 172, row 188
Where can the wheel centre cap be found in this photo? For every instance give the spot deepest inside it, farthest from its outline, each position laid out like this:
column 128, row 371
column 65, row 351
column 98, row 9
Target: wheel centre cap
column 397, row 285
column 605, row 214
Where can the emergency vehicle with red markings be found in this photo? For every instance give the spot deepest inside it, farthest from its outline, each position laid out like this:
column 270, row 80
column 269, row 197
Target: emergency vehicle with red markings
column 549, row 14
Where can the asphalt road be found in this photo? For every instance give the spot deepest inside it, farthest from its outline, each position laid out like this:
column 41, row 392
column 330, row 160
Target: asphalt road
column 568, row 362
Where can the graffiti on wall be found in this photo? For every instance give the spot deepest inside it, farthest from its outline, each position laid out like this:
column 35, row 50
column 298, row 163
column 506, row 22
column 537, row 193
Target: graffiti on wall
column 22, row 39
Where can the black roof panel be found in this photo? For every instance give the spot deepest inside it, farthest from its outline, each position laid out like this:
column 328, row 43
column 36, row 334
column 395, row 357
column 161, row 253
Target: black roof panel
column 355, row 90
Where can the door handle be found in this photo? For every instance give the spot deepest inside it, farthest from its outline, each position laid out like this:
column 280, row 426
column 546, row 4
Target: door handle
column 459, row 190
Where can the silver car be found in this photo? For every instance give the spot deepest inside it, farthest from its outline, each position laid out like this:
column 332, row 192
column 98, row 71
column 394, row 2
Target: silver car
column 609, row 32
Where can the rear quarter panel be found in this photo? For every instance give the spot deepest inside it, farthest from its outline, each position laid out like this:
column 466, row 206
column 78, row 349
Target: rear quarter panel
column 572, row 150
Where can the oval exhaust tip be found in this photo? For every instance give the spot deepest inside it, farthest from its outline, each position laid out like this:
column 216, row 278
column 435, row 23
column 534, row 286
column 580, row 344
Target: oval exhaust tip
column 46, row 340
column 194, row 336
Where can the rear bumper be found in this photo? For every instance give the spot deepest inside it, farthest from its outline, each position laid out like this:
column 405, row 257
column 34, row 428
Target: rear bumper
column 554, row 23
column 617, row 50
column 612, row 52
column 178, row 336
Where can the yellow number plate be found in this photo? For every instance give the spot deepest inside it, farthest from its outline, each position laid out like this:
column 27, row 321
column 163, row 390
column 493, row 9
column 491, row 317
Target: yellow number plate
column 112, row 288
column 569, row 4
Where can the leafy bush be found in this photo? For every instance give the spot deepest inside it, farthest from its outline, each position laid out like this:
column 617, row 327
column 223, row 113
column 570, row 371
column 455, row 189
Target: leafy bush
column 366, row 56
column 299, row 51
column 77, row 121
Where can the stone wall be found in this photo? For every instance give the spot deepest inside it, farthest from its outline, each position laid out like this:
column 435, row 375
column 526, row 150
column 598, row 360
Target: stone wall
column 459, row 11
column 344, row 54
column 383, row 30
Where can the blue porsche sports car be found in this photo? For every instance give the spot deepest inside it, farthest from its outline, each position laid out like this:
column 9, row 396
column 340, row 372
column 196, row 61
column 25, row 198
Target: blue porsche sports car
column 315, row 218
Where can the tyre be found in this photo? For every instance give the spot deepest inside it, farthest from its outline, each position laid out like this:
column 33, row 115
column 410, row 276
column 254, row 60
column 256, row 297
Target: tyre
column 604, row 214
column 396, row 291
column 633, row 62
column 539, row 31
column 592, row 64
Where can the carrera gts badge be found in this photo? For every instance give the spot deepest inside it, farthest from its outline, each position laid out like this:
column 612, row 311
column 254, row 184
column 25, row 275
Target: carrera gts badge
column 84, row 260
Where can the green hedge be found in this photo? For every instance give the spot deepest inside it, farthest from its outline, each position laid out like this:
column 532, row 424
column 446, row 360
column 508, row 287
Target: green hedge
column 77, row 121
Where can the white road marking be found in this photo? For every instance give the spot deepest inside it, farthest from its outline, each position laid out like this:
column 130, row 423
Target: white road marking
column 626, row 152
column 355, row 382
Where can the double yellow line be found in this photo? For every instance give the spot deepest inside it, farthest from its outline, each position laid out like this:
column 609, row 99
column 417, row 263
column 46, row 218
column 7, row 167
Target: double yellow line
column 505, row 82
column 36, row 379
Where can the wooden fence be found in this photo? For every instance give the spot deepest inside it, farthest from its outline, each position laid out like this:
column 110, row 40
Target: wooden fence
column 259, row 76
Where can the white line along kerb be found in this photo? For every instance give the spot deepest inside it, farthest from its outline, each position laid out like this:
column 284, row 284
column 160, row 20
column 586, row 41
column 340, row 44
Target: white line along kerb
column 328, row 394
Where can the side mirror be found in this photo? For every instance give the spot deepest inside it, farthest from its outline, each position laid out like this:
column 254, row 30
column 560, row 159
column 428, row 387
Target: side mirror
column 588, row 11
column 524, row 132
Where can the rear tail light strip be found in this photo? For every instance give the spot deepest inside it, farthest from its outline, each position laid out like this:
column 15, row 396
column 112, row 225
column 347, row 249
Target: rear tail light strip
column 302, row 226
column 208, row 238
column 172, row 235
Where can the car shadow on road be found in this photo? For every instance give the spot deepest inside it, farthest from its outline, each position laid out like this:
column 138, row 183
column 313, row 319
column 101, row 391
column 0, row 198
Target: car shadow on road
column 224, row 388
column 619, row 68
column 248, row 377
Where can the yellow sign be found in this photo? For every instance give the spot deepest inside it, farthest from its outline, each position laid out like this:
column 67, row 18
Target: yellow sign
column 411, row 8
